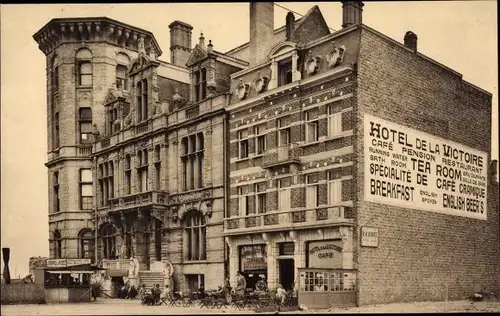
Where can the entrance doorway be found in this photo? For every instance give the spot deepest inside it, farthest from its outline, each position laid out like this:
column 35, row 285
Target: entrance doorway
column 287, row 273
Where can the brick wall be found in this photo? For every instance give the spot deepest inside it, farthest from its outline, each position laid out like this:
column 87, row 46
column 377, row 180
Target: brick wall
column 421, row 252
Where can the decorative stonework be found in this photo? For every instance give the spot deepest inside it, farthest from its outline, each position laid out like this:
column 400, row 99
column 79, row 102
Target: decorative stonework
column 242, row 90
column 260, row 84
column 312, row 63
column 335, row 56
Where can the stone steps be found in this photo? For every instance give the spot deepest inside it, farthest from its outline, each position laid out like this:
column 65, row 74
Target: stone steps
column 150, row 278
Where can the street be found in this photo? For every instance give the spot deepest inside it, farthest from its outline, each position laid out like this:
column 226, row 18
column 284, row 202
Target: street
column 133, row 307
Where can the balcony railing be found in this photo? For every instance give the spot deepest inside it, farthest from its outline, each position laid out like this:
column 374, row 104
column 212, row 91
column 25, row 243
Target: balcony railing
column 142, row 127
column 85, row 150
column 283, row 155
column 139, row 200
column 286, row 219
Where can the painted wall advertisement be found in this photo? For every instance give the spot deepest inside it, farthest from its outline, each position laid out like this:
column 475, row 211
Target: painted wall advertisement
column 325, row 254
column 412, row 169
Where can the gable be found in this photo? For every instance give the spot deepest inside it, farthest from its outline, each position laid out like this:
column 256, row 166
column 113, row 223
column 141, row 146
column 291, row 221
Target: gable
column 197, row 55
column 111, row 97
column 311, row 27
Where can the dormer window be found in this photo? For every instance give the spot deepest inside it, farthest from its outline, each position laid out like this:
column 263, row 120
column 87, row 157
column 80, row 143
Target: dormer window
column 142, row 100
column 284, row 64
column 200, row 87
column 285, row 72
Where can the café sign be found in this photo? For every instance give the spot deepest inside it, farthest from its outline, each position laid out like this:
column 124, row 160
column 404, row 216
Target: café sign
column 253, row 257
column 325, row 254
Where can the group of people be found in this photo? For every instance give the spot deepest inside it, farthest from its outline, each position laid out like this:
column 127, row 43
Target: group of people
column 261, row 287
column 155, row 295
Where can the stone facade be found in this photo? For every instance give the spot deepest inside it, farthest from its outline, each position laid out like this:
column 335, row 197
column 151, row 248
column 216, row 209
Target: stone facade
column 196, row 160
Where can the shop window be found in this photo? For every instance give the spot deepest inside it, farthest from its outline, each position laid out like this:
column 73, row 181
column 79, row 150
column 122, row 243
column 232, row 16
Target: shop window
column 194, row 236
column 195, row 281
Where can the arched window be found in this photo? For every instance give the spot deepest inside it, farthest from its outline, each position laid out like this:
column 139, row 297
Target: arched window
column 84, row 67
column 57, row 244
column 194, row 236
column 86, row 244
column 109, row 234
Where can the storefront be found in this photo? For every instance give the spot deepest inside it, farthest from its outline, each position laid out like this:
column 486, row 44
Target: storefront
column 324, row 283
column 253, row 263
column 67, row 280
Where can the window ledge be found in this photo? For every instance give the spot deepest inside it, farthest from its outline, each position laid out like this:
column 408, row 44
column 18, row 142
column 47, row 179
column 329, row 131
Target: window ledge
column 83, row 86
column 241, row 159
column 194, row 261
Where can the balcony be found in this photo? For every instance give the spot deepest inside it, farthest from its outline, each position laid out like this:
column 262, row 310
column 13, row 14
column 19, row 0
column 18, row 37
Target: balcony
column 84, row 150
column 283, row 155
column 143, row 199
column 286, row 220
column 142, row 127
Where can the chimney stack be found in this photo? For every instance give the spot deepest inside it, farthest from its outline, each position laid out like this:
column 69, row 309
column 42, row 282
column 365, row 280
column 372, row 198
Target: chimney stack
column 352, row 13
column 261, row 30
column 411, row 41
column 290, row 20
column 180, row 43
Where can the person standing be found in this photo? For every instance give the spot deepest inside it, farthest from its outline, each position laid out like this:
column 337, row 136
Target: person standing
column 241, row 282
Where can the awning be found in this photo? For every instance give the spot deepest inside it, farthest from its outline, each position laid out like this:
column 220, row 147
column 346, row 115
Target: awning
column 70, row 272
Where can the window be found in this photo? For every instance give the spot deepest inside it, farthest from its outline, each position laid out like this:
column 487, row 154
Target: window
column 86, row 244
column 260, row 139
column 55, row 79
column 312, row 127
column 57, row 244
column 243, row 144
column 86, row 191
column 142, row 99
column 192, row 157
column 312, row 191
column 260, row 189
column 157, row 168
column 85, row 73
column 56, row 130
column 128, row 174
column 111, row 117
column 200, row 84
column 106, row 182
column 194, row 281
column 334, row 186
column 121, row 77
column 109, row 234
column 284, row 72
column 195, row 236
column 85, row 121
column 334, row 121
column 284, row 194
column 142, row 170
column 55, row 188
column 283, row 132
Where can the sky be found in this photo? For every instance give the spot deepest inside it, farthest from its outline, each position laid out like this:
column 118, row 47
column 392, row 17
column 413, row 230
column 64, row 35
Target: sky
column 459, row 34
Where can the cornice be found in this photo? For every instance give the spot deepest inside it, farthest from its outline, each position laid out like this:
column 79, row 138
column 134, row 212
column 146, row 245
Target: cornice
column 77, row 30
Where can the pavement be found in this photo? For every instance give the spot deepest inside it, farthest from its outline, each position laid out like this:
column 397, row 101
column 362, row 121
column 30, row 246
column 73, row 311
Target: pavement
column 133, row 307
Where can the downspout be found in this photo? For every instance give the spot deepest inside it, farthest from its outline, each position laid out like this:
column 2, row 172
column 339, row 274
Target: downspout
column 225, row 172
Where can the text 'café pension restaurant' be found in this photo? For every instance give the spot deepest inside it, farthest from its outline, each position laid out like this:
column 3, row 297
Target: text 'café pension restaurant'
column 349, row 176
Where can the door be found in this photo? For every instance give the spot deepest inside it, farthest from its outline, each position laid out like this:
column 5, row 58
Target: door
column 287, row 273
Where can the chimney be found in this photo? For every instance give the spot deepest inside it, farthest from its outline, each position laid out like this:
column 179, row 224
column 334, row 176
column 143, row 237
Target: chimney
column 261, row 30
column 352, row 13
column 290, row 20
column 411, row 41
column 180, row 43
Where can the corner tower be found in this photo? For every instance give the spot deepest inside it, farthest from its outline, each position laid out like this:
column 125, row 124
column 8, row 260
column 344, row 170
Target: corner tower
column 85, row 57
